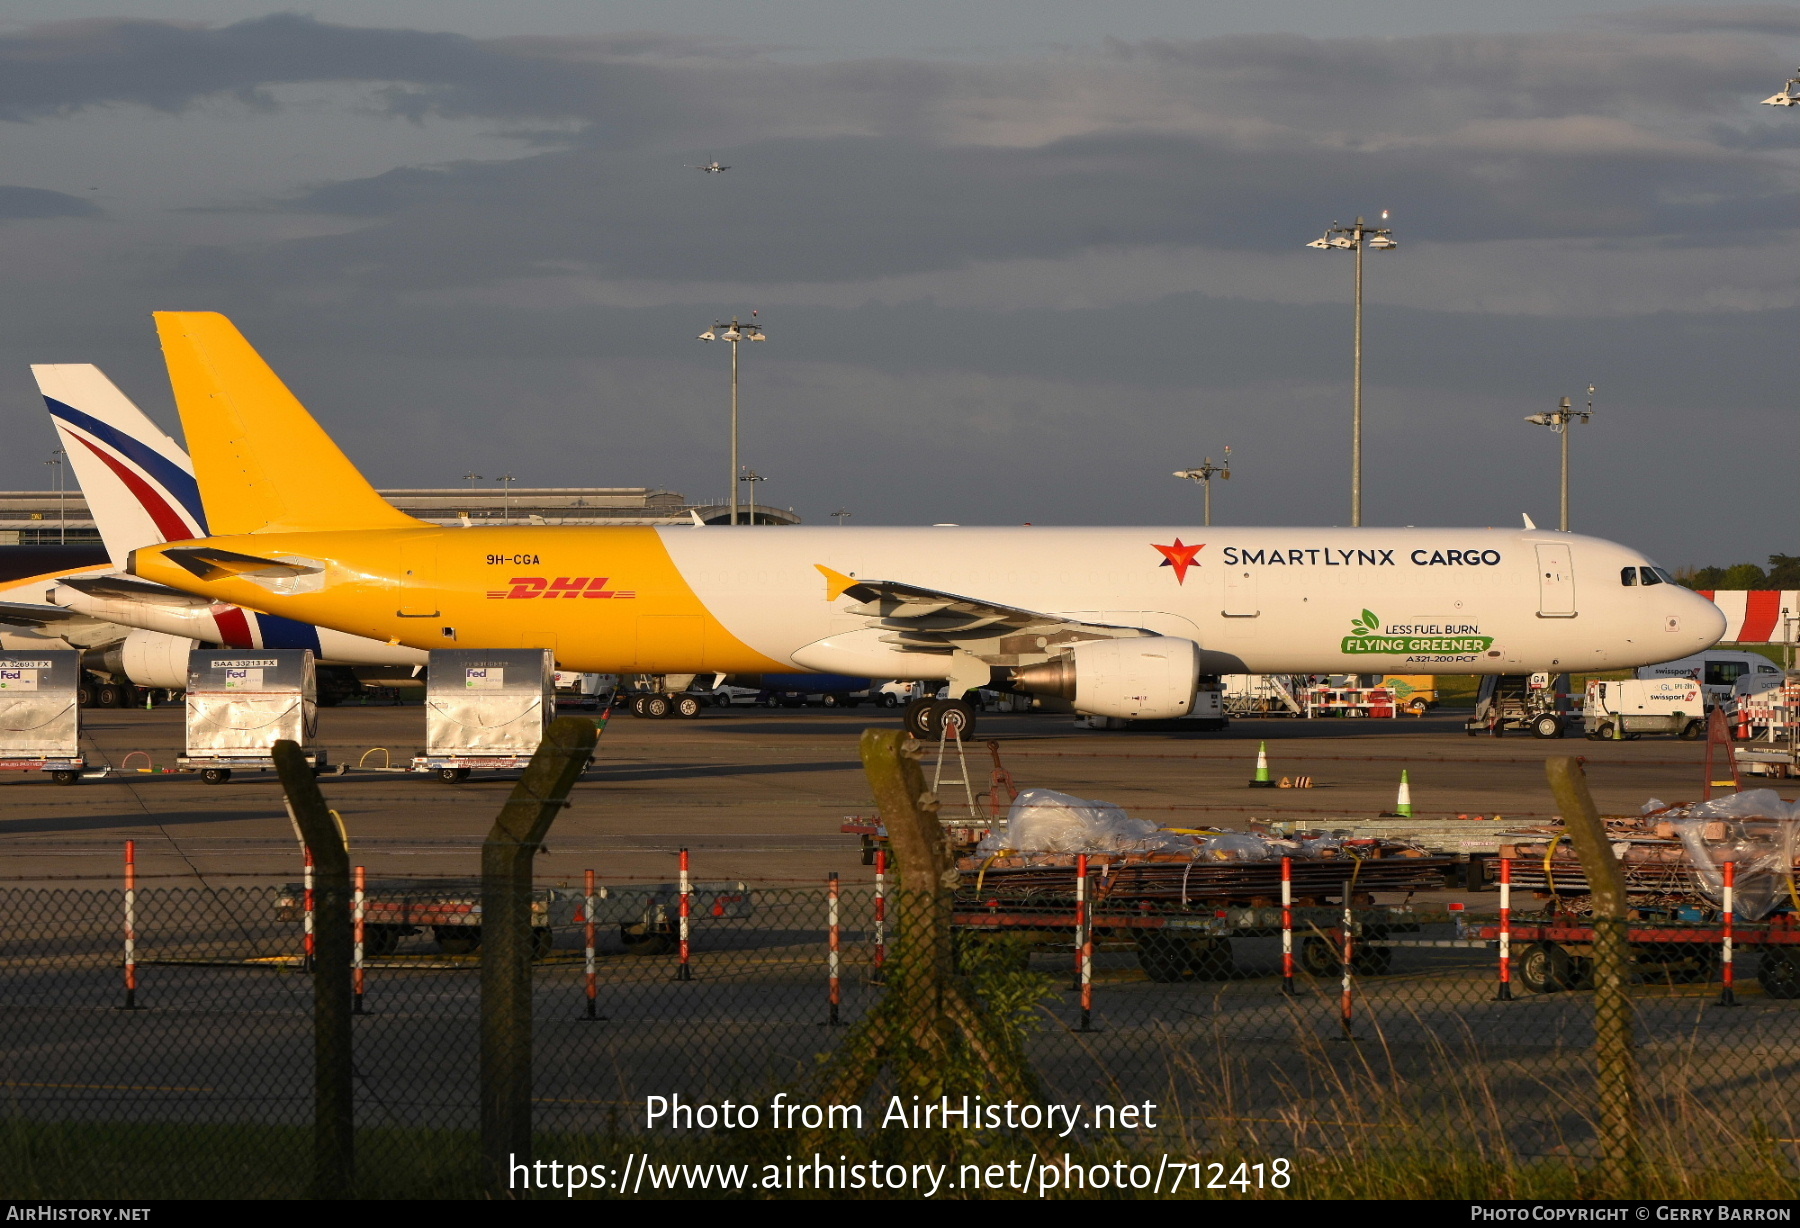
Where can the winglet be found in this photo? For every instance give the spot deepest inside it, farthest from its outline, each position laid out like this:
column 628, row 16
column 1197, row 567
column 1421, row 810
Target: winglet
column 836, row 582
column 1528, row 523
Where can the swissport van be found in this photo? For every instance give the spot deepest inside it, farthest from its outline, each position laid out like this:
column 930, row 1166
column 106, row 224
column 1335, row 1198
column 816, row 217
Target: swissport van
column 1716, row 670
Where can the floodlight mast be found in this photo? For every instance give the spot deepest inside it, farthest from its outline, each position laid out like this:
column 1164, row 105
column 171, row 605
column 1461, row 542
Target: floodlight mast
column 1204, row 473
column 1354, row 238
column 734, row 332
column 1558, row 420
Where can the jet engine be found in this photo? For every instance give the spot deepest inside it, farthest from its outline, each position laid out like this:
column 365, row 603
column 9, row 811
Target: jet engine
column 151, row 659
column 1148, row 678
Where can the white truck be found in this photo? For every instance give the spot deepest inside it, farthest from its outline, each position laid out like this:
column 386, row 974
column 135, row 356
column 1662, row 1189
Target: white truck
column 1717, row 670
column 1632, row 707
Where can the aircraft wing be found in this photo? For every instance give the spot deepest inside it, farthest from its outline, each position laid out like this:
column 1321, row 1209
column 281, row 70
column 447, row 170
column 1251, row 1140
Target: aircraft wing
column 26, row 614
column 128, row 589
column 930, row 620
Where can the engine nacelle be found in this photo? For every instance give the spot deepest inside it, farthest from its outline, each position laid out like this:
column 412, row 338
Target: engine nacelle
column 1149, row 678
column 152, row 659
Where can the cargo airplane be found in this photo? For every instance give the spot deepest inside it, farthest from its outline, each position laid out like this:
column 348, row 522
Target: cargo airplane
column 1121, row 622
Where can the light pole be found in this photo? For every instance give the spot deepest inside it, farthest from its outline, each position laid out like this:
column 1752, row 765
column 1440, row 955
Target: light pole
column 62, row 519
column 1354, row 238
column 753, row 477
column 842, row 516
column 1204, row 475
column 734, row 332
column 473, row 478
column 506, row 479
column 1558, row 420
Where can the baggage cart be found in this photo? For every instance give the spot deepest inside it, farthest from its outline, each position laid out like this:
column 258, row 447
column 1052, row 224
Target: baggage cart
column 241, row 702
column 485, row 710
column 40, row 714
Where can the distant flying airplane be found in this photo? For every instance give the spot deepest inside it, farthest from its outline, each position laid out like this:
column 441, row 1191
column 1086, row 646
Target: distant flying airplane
column 711, row 168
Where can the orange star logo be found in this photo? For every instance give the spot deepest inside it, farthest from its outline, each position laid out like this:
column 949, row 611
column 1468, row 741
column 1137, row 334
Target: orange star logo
column 1181, row 558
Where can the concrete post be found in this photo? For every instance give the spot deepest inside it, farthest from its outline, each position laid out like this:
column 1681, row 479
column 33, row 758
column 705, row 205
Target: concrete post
column 507, row 941
column 334, row 1113
column 1614, row 1056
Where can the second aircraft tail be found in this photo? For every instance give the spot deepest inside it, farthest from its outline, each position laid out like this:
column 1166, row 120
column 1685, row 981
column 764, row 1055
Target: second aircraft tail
column 263, row 463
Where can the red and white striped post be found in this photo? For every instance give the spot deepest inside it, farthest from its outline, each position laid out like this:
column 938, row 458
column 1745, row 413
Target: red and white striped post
column 1287, row 926
column 1727, row 995
column 356, row 947
column 306, row 909
column 590, row 965
column 683, row 973
column 835, row 940
column 131, row 925
column 1504, row 992
column 880, row 915
column 1345, row 1004
column 1084, row 944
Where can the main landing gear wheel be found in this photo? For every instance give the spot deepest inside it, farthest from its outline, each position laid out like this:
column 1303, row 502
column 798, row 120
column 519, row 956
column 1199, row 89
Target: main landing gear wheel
column 1547, row 725
column 656, row 707
column 687, row 707
column 926, row 719
column 957, row 716
column 215, row 776
column 920, row 719
column 453, row 776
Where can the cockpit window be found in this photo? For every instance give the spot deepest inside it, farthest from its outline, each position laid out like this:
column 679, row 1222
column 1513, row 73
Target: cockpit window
column 1666, row 577
column 1651, row 575
column 1628, row 577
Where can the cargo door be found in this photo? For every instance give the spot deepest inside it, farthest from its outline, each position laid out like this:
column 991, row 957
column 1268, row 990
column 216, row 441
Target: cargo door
column 1240, row 594
column 1556, row 581
column 418, row 597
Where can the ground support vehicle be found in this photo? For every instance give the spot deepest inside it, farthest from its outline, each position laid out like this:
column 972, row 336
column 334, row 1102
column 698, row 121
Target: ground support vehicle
column 1554, row 952
column 1634, row 707
column 1262, row 694
column 1534, row 703
column 1351, row 701
column 1180, row 915
column 646, row 914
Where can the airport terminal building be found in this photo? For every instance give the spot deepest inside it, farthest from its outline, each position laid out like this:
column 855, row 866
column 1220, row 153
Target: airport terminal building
column 49, row 517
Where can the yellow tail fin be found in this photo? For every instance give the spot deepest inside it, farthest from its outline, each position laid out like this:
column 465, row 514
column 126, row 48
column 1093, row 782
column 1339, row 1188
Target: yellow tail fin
column 263, row 464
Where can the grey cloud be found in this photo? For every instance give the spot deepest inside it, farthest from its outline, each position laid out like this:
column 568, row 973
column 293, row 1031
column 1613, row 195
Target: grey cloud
column 17, row 202
column 1770, row 19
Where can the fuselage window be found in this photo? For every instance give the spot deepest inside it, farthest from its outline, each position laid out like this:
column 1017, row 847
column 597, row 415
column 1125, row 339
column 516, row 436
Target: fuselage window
column 1628, row 577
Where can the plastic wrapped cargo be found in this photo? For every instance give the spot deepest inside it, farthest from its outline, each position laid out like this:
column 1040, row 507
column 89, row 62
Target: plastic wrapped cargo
column 1045, row 821
column 1754, row 830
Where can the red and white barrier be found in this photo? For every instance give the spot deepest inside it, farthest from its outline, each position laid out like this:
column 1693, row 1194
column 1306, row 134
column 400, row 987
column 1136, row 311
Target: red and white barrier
column 1287, row 926
column 131, row 925
column 1504, row 993
column 1084, row 944
column 357, row 901
column 683, row 973
column 833, row 956
column 1380, row 702
column 306, row 912
column 590, row 963
column 1346, row 1002
column 1727, row 994
column 880, row 914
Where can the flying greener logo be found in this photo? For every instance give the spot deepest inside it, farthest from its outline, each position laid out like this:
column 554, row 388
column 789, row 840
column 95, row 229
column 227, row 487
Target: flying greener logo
column 1180, row 557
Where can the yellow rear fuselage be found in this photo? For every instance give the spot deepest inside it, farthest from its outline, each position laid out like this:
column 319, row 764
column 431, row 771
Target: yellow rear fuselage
column 604, row 600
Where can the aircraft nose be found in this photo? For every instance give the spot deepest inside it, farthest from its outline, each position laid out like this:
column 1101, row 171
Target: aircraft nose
column 1702, row 622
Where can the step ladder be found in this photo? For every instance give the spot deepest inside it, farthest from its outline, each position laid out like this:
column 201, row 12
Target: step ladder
column 948, row 736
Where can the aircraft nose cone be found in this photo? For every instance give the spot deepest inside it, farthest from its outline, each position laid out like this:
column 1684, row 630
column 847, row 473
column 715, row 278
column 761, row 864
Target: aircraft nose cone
column 1702, row 622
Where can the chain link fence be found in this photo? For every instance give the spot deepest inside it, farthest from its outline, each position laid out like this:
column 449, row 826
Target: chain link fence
column 1193, row 1044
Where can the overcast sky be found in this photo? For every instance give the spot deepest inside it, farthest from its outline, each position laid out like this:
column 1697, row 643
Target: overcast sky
column 1017, row 260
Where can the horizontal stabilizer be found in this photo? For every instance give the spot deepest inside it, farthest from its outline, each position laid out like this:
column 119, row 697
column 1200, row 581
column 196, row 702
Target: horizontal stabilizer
column 23, row 614
column 122, row 588
column 212, row 564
